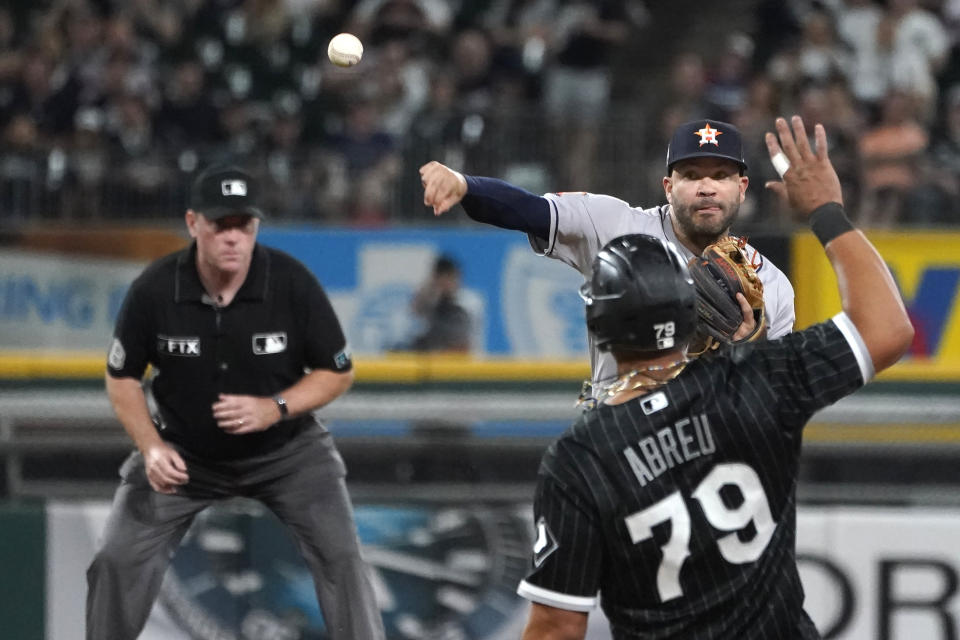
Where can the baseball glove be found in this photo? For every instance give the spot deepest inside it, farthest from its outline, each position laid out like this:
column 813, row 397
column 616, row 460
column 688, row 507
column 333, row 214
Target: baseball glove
column 719, row 273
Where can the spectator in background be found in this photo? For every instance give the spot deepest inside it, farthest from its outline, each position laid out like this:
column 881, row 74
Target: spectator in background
column 472, row 57
column 434, row 133
column 237, row 134
column 79, row 30
column 934, row 203
column 300, row 180
column 761, row 209
column 162, row 22
column 220, row 65
column 112, row 82
column 845, row 121
column 684, row 100
column 9, row 49
column 890, row 153
column 142, row 174
column 777, row 21
column 821, row 56
column 283, row 158
column 43, row 93
column 687, row 87
column 914, row 47
column 419, row 21
column 950, row 14
column 402, row 84
column 121, row 38
column 267, row 21
column 88, row 166
column 727, row 87
column 187, row 115
column 857, row 24
column 578, row 83
column 370, row 156
column 520, row 31
column 816, row 57
column 444, row 322
column 21, row 167
column 815, row 103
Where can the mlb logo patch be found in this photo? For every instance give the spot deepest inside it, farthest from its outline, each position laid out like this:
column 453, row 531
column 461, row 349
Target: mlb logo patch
column 233, row 187
column 654, row 402
column 267, row 343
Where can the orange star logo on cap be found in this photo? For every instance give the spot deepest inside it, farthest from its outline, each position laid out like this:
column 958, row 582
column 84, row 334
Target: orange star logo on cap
column 708, row 134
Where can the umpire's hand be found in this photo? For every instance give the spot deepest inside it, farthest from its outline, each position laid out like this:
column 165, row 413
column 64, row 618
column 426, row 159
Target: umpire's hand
column 442, row 186
column 244, row 414
column 166, row 470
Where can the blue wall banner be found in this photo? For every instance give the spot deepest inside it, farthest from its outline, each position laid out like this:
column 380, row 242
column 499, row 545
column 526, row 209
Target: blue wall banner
column 521, row 304
column 56, row 301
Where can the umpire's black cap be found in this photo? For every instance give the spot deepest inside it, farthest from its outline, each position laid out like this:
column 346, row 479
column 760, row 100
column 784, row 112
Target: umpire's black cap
column 225, row 190
column 705, row 138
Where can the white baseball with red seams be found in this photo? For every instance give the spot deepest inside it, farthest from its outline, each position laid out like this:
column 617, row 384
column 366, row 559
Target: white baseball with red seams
column 345, row 50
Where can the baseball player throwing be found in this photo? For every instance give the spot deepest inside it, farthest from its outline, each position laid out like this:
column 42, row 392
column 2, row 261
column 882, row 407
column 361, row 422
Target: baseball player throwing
column 705, row 184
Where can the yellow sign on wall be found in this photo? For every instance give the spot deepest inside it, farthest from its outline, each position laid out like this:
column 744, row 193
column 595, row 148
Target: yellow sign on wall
column 926, row 267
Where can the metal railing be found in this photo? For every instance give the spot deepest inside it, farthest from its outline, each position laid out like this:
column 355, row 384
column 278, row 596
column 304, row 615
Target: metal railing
column 499, row 429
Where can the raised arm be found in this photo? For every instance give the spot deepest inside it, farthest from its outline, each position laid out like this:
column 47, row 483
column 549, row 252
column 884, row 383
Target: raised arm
column 485, row 200
column 868, row 293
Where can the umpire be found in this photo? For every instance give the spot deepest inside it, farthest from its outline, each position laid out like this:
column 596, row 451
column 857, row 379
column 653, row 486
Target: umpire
column 673, row 503
column 243, row 345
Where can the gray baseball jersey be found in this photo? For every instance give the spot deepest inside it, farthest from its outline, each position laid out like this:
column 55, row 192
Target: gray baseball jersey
column 582, row 223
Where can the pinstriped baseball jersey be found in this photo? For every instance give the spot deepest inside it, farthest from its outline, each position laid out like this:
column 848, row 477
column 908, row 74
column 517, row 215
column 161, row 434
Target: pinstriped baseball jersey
column 582, row 223
column 677, row 509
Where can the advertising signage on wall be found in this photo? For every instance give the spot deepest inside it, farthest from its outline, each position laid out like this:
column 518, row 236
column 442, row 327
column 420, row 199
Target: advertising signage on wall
column 48, row 301
column 449, row 571
column 521, row 306
column 926, row 267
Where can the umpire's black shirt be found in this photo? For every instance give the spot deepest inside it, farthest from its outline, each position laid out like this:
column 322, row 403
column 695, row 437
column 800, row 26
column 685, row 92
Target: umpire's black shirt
column 278, row 325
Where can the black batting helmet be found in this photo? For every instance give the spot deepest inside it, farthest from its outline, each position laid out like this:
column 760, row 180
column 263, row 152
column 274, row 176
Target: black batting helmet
column 640, row 297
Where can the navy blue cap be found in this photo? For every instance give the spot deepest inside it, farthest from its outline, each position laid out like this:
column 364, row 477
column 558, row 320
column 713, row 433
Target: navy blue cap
column 705, row 139
column 225, row 190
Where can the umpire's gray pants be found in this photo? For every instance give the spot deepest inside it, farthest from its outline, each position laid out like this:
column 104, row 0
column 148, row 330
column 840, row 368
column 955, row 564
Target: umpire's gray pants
column 302, row 483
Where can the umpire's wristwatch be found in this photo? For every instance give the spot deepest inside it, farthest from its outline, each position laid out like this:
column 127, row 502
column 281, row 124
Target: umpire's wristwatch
column 282, row 405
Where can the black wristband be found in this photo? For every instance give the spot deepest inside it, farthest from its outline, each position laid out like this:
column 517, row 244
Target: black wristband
column 829, row 221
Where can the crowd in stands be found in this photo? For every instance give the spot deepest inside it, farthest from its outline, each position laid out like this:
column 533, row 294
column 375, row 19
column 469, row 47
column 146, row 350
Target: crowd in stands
column 109, row 107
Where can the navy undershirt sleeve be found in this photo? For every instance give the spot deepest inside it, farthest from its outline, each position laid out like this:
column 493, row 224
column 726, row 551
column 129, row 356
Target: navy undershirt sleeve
column 503, row 205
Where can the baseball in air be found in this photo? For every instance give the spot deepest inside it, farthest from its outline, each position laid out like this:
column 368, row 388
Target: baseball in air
column 345, row 50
